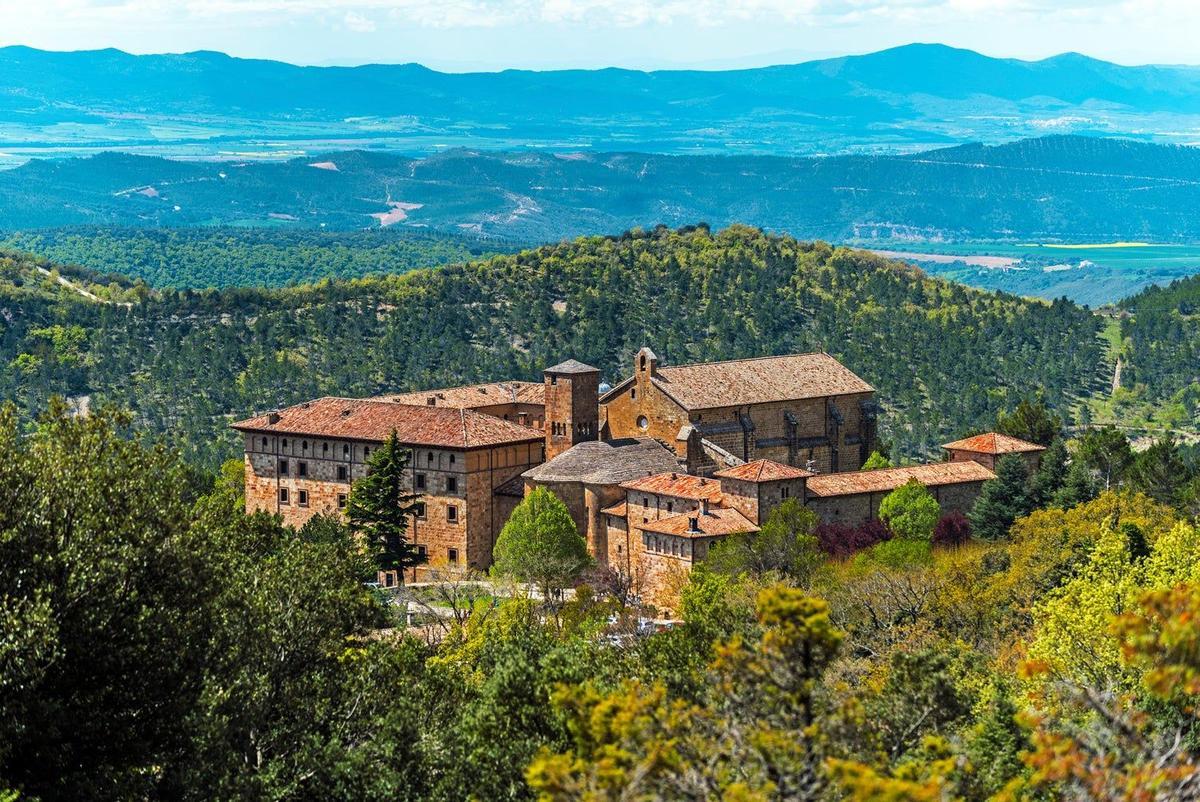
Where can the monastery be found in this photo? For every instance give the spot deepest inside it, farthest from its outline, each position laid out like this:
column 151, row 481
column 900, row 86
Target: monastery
column 654, row 469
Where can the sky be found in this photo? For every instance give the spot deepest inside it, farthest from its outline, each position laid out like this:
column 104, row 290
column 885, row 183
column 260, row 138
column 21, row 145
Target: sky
column 458, row 35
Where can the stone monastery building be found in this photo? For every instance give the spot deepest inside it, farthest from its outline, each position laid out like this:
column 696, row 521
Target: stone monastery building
column 654, row 470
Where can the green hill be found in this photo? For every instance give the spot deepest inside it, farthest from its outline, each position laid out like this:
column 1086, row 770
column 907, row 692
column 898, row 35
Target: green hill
column 247, row 257
column 944, row 357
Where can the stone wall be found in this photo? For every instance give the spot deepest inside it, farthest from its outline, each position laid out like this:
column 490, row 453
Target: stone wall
column 320, row 472
column 862, row 507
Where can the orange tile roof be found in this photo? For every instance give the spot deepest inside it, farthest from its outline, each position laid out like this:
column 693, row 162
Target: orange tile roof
column 993, row 443
column 363, row 419
column 679, row 485
column 717, row 521
column 888, row 479
column 473, row 396
column 763, row 470
column 620, row 510
column 758, row 381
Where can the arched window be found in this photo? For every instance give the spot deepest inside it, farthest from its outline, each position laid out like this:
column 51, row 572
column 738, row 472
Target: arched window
column 304, row 445
column 643, row 362
column 283, row 443
column 264, row 442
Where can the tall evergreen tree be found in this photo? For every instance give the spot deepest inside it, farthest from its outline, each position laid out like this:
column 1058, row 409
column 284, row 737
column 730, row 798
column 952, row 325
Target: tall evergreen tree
column 1106, row 450
column 380, row 508
column 1079, row 486
column 1051, row 474
column 1003, row 500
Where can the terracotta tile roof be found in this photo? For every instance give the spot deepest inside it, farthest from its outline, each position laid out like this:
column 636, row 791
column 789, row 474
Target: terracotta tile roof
column 679, row 485
column 572, row 366
column 887, row 479
column 717, row 521
column 763, row 470
column 473, row 396
column 606, row 462
column 757, row 381
column 993, row 443
column 620, row 510
column 365, row 419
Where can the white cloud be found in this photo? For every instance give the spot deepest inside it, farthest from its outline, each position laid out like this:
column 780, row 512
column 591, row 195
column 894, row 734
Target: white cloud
column 359, row 23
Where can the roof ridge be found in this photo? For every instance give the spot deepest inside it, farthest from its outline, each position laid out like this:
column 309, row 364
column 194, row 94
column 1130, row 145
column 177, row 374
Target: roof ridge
column 744, row 359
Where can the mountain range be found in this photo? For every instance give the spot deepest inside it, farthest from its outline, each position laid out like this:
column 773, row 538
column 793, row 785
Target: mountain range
column 903, row 99
column 1052, row 188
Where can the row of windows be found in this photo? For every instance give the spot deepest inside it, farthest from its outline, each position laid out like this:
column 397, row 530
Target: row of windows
column 587, row 429
column 419, row 511
column 677, row 547
column 324, row 447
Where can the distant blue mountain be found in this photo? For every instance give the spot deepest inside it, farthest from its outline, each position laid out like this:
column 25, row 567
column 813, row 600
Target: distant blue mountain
column 902, row 99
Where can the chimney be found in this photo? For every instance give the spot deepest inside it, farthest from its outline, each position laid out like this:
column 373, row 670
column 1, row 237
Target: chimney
column 693, row 525
column 704, row 506
column 272, row 418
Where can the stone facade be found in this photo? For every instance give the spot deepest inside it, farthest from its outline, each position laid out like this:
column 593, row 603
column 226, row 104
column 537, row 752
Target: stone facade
column 828, row 433
column 457, row 459
column 572, row 416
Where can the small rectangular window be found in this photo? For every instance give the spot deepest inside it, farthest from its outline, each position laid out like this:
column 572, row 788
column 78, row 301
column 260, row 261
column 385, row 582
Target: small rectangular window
column 302, row 468
column 429, row 457
column 452, row 514
column 342, row 501
column 419, row 510
column 283, row 495
column 422, row 552
column 785, row 491
column 420, row 481
column 343, row 473
column 345, row 449
column 283, row 467
column 452, row 458
column 452, row 556
column 451, row 484
column 303, row 498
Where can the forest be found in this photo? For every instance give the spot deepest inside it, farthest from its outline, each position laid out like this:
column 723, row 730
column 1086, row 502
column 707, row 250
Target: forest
column 945, row 359
column 159, row 643
column 1160, row 335
column 200, row 258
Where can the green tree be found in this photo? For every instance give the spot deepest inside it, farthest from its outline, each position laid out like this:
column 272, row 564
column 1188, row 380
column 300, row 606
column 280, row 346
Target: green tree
column 1079, row 485
column 1160, row 472
column 541, row 545
column 1032, row 421
column 1106, row 451
column 910, row 511
column 876, row 461
column 1051, row 474
column 1002, row 501
column 379, row 508
column 784, row 545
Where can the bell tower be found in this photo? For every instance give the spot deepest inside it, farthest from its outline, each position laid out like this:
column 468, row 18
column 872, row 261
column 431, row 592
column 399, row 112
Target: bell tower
column 572, row 406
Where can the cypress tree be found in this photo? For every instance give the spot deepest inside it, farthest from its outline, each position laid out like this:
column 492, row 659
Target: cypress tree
column 380, row 508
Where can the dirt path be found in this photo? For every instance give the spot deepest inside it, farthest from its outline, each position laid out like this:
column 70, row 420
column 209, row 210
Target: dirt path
column 1116, row 383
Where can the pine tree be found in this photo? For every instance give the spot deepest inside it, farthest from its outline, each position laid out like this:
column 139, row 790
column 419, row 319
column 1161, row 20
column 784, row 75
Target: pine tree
column 380, row 508
column 1003, row 500
column 1079, row 486
column 1051, row 474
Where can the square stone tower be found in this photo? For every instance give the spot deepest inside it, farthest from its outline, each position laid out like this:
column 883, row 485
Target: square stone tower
column 572, row 406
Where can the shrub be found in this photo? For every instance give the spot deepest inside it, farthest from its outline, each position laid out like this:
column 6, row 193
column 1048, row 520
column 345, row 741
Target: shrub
column 840, row 540
column 952, row 529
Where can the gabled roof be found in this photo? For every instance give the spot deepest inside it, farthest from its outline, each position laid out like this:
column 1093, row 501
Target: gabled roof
column 572, row 366
column 473, row 396
column 993, row 443
column 374, row 421
column 886, row 480
column 716, row 522
column 763, row 470
column 679, row 485
column 606, row 462
column 761, row 380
